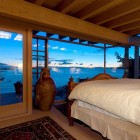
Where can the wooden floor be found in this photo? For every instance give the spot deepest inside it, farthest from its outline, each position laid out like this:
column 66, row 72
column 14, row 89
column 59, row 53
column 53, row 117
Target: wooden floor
column 78, row 131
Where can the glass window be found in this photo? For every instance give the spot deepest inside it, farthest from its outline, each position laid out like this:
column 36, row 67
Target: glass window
column 11, row 67
column 78, row 61
column 38, row 58
column 113, row 65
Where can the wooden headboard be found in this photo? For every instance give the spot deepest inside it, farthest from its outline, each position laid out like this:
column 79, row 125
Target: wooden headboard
column 102, row 76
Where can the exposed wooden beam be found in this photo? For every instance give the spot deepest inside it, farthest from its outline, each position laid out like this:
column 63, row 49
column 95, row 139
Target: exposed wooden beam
column 72, row 39
column 28, row 12
column 115, row 12
column 81, row 40
column 89, row 10
column 49, row 34
column 9, row 22
column 133, row 31
column 39, row 2
column 129, row 18
column 65, row 6
column 34, row 32
column 134, row 40
column 66, row 41
column 128, row 26
column 91, row 43
column 61, row 37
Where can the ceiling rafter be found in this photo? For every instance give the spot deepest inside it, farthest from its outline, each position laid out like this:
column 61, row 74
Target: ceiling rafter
column 128, row 26
column 65, row 6
column 133, row 32
column 120, row 15
column 72, row 39
column 39, row 2
column 61, row 37
column 129, row 18
column 89, row 10
column 118, row 11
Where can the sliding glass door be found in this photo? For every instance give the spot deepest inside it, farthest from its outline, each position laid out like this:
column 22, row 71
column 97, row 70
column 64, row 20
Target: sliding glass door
column 13, row 73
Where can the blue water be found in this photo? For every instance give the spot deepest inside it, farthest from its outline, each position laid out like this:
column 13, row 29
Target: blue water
column 10, row 77
column 60, row 76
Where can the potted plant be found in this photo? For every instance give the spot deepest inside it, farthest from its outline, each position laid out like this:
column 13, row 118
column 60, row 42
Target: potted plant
column 18, row 87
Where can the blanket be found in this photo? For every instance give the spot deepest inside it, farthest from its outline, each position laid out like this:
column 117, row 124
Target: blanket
column 121, row 97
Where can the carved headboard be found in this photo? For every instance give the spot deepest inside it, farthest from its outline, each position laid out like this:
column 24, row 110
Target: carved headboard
column 102, row 76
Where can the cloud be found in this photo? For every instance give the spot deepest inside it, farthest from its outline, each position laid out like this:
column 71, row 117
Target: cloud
column 62, row 49
column 49, row 61
column 63, row 61
column 75, row 70
column 39, row 58
column 19, row 37
column 55, row 47
column 5, row 35
column 18, row 58
column 35, row 45
column 55, row 69
column 81, row 64
column 97, row 51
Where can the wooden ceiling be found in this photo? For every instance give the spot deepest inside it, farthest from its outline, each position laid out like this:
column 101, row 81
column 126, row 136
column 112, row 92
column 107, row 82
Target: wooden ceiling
column 119, row 15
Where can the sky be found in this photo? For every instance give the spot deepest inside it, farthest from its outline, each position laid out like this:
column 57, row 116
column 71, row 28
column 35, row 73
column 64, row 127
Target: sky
column 11, row 48
column 67, row 54
column 60, row 54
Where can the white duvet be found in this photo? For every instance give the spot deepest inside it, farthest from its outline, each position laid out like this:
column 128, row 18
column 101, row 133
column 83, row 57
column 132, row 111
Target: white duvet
column 118, row 96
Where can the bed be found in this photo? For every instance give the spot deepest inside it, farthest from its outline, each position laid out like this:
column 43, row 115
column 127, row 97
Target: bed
column 108, row 105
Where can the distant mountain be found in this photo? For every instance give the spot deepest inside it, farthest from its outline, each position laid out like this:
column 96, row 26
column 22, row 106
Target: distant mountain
column 4, row 66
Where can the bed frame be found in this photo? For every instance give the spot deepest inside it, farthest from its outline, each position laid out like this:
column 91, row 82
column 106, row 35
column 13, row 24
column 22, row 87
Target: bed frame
column 127, row 130
column 72, row 84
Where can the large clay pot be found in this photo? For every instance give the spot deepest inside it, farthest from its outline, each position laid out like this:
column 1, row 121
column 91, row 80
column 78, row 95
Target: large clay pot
column 45, row 90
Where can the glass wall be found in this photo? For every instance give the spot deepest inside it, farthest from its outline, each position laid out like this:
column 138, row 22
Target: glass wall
column 114, row 66
column 38, row 58
column 11, row 67
column 78, row 61
column 72, row 59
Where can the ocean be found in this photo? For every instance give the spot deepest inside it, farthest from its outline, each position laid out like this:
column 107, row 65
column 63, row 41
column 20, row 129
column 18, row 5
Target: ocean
column 10, row 77
column 60, row 76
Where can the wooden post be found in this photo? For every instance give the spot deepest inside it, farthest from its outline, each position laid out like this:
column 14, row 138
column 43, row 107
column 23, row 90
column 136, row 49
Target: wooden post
column 37, row 76
column 126, row 67
column 136, row 63
column 104, row 58
column 71, row 85
column 70, row 118
column 46, row 53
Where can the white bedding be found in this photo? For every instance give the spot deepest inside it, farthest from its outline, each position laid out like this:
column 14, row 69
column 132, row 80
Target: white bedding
column 110, row 127
column 89, row 106
column 118, row 96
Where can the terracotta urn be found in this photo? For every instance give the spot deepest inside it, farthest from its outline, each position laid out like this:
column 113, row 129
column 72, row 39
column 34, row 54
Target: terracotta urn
column 45, row 90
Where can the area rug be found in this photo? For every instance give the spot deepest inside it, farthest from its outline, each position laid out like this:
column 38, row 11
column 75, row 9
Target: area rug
column 41, row 129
